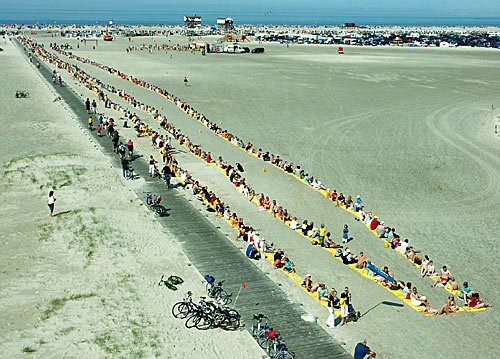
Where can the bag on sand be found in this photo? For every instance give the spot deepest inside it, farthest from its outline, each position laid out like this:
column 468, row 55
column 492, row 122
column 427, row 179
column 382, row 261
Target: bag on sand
column 209, row 278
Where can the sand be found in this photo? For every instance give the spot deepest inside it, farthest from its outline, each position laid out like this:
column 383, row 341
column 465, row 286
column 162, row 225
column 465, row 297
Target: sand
column 408, row 129
column 83, row 283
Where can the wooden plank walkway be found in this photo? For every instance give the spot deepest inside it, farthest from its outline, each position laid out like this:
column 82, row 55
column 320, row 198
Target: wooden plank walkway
column 211, row 252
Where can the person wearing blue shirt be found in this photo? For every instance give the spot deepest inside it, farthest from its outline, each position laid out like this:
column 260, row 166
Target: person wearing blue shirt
column 362, row 350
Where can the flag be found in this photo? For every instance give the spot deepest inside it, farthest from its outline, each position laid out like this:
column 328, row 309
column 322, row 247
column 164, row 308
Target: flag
column 243, row 285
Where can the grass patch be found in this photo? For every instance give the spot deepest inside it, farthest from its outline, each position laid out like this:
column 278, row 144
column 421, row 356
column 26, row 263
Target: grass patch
column 58, row 303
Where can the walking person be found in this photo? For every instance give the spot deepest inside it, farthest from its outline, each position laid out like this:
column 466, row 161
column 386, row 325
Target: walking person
column 91, row 123
column 94, row 106
column 130, row 146
column 87, row 105
column 51, row 203
column 186, row 82
column 151, row 166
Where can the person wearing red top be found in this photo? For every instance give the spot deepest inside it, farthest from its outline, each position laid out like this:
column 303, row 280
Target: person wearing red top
column 475, row 302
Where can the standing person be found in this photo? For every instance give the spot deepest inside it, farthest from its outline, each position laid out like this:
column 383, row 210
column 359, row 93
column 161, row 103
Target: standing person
column 87, row 105
column 51, row 203
column 345, row 301
column 362, row 350
column 332, row 303
column 151, row 166
column 130, row 146
column 91, row 123
column 94, row 106
column 345, row 234
column 125, row 167
column 166, row 175
column 186, row 82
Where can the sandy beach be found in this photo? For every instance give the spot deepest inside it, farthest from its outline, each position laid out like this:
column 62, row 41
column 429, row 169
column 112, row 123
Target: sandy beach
column 84, row 283
column 410, row 130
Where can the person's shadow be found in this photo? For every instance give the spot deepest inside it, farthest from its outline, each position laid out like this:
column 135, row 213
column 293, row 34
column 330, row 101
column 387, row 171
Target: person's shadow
column 58, row 214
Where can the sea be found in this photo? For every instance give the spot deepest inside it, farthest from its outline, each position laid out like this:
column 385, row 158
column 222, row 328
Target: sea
column 54, row 16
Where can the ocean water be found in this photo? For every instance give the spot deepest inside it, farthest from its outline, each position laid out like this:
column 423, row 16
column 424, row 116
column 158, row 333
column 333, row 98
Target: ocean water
column 264, row 18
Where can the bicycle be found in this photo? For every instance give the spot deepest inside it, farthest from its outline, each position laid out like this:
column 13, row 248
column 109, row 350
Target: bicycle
column 171, row 281
column 153, row 202
column 216, row 292
column 276, row 348
column 183, row 308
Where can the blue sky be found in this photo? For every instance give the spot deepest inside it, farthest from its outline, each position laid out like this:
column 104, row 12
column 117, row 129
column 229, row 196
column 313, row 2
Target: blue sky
column 478, row 8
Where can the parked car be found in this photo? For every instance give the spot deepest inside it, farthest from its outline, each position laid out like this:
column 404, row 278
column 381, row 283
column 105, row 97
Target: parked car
column 258, row 50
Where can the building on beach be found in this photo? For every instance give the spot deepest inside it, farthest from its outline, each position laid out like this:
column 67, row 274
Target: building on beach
column 192, row 21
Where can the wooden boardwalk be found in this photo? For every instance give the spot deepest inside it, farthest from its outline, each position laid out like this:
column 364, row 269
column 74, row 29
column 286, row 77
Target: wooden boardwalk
column 212, row 253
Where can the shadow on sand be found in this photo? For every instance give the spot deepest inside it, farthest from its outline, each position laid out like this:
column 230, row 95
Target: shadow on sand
column 385, row 302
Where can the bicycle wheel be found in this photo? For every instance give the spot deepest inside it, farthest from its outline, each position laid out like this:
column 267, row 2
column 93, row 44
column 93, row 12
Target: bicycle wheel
column 262, row 340
column 192, row 320
column 284, row 355
column 232, row 322
column 169, row 285
column 213, row 292
column 223, row 298
column 180, row 310
column 205, row 322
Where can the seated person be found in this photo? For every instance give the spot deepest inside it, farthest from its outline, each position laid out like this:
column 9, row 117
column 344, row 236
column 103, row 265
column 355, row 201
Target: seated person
column 347, row 257
column 403, row 246
column 449, row 307
column 294, row 224
column 476, row 302
column 444, row 277
column 466, row 292
column 407, row 290
column 278, row 256
column 329, row 243
column 254, row 254
column 417, row 299
column 322, row 292
column 289, row 267
column 307, row 282
column 266, row 157
column 360, row 260
column 383, row 280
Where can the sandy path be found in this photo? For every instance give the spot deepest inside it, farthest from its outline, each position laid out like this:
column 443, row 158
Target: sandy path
column 83, row 284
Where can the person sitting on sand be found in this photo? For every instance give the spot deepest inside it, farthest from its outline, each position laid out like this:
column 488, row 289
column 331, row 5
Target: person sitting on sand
column 360, row 260
column 307, row 282
column 476, row 303
column 289, row 267
column 347, row 257
column 448, row 307
column 329, row 243
column 407, row 290
column 322, row 292
column 417, row 299
column 466, row 292
column 444, row 277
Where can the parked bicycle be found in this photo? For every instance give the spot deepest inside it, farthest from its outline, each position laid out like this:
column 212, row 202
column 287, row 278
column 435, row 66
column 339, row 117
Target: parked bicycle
column 206, row 314
column 215, row 291
column 269, row 339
